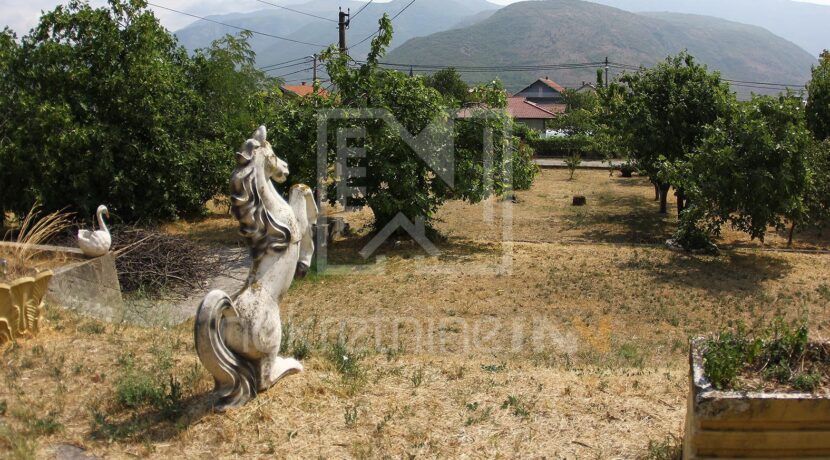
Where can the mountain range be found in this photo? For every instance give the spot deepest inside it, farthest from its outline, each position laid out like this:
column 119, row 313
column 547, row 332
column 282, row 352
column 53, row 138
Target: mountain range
column 805, row 24
column 575, row 31
column 479, row 33
column 421, row 18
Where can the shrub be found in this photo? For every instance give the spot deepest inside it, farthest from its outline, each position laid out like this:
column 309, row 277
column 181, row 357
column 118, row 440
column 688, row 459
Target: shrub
column 524, row 169
column 781, row 354
column 155, row 387
column 572, row 162
column 670, row 448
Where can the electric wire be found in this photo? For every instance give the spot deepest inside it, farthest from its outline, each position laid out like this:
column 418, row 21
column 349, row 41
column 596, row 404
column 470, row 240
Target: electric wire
column 296, row 11
column 237, row 27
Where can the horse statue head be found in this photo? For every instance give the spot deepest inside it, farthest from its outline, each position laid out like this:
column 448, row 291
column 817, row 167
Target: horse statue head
column 265, row 219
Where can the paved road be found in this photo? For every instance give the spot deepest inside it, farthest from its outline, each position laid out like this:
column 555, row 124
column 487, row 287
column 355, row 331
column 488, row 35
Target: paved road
column 586, row 164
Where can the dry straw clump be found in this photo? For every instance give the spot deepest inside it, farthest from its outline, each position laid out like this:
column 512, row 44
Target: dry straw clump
column 33, row 231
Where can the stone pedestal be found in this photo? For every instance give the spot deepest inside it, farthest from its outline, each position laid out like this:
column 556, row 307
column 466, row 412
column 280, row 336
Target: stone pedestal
column 90, row 287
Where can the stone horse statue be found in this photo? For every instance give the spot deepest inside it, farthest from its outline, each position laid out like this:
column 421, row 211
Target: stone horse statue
column 238, row 337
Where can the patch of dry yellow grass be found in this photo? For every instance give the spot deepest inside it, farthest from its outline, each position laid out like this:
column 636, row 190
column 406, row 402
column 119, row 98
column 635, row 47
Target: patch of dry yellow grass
column 589, row 342
column 619, row 210
column 571, row 351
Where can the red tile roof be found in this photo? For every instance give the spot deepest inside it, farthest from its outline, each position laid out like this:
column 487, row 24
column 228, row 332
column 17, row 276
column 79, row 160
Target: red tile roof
column 519, row 107
column 555, row 108
column 302, row 90
column 553, row 84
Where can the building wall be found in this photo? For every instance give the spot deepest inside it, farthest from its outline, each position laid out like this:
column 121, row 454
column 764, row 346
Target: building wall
column 533, row 123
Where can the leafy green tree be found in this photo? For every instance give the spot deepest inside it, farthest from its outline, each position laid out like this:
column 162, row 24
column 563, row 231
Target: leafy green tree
column 581, row 114
column 449, row 83
column 750, row 171
column 818, row 101
column 815, row 209
column 12, row 192
column 665, row 114
column 397, row 180
column 107, row 108
column 237, row 96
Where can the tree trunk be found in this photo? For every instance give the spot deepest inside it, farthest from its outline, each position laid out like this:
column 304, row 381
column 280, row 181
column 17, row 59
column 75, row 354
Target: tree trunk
column 664, row 198
column 656, row 191
column 681, row 202
column 790, row 239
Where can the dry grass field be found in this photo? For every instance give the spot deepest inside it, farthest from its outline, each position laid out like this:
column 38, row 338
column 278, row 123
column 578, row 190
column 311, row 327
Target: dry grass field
column 568, row 340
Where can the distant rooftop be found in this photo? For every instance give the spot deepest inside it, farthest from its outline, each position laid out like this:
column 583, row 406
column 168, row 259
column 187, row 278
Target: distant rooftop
column 302, row 89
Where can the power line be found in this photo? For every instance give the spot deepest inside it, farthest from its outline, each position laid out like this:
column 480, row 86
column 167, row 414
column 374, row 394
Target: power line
column 361, row 9
column 287, row 66
column 391, row 19
column 237, row 27
column 402, row 10
column 294, row 73
column 519, row 67
column 304, row 58
column 296, row 11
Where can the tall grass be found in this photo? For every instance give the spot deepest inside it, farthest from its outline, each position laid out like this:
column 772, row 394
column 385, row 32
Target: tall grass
column 33, row 230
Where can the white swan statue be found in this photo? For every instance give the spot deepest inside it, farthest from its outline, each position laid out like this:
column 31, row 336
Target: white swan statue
column 96, row 243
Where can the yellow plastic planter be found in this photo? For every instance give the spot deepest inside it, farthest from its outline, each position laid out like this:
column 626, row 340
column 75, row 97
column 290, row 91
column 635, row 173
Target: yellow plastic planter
column 735, row 424
column 20, row 306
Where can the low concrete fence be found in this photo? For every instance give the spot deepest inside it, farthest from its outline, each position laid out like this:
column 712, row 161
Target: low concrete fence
column 88, row 286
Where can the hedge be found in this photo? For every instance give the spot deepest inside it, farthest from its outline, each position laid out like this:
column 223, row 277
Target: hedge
column 567, row 146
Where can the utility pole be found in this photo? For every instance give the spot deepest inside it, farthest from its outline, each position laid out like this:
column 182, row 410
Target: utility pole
column 314, row 71
column 342, row 25
column 606, row 71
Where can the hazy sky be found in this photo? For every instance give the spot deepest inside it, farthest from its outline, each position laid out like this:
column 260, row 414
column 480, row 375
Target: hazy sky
column 21, row 15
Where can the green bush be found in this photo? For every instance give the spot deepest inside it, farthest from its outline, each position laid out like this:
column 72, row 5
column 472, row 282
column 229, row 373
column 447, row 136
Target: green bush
column 781, row 353
column 524, row 169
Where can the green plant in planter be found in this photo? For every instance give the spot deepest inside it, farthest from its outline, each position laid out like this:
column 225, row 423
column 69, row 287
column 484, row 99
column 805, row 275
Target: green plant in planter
column 781, row 353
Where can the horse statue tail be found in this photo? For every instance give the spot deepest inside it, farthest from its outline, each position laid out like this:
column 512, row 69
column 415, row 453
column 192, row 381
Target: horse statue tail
column 235, row 377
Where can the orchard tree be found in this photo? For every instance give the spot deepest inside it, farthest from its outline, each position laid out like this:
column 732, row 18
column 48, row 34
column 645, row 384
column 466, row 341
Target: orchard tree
column 750, row 171
column 581, row 114
column 818, row 102
column 236, row 95
column 815, row 209
column 449, row 83
column 107, row 108
column 13, row 194
column 665, row 113
column 396, row 179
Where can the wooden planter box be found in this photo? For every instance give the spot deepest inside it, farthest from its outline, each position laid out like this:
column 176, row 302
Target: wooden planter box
column 20, row 306
column 733, row 424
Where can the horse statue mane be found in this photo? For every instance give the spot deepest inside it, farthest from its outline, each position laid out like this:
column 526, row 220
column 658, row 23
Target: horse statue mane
column 262, row 230
column 238, row 337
